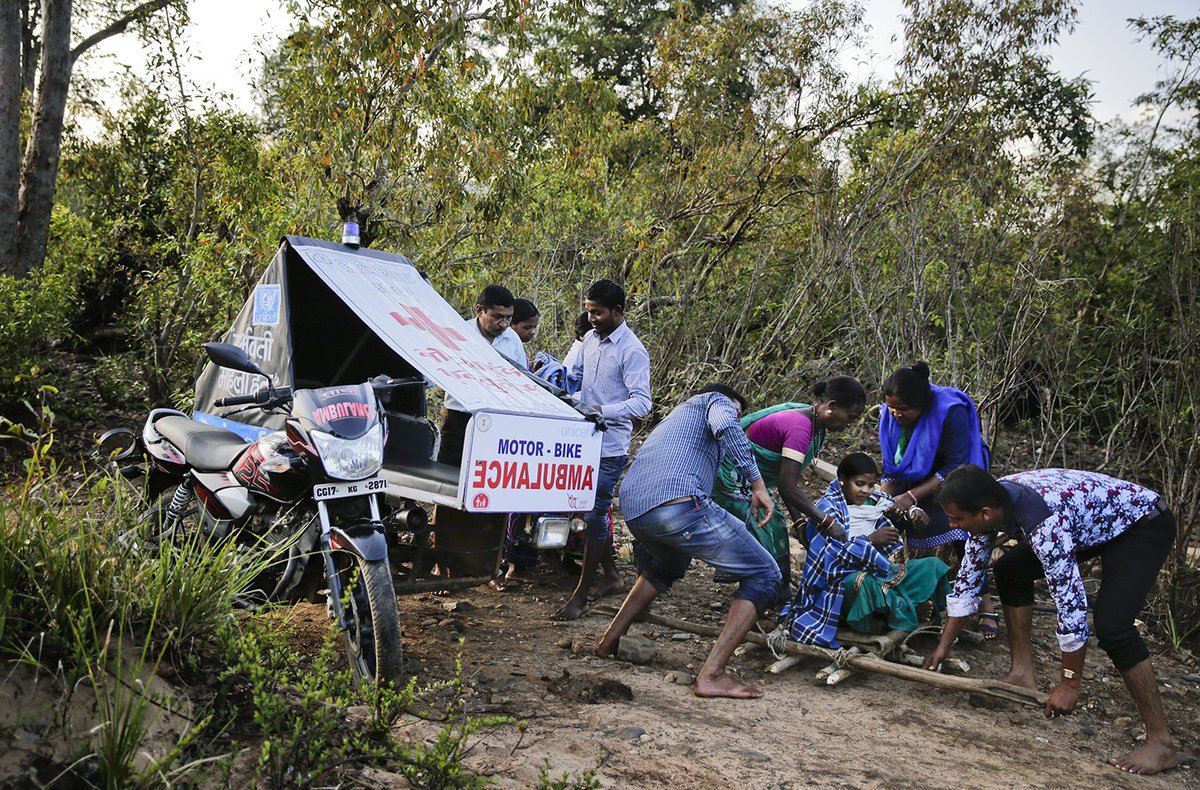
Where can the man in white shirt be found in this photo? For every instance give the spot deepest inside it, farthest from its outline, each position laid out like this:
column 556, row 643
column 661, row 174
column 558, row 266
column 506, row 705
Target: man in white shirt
column 492, row 320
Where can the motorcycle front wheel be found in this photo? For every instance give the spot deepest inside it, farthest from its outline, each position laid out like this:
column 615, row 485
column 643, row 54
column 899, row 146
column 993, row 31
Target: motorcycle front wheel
column 373, row 619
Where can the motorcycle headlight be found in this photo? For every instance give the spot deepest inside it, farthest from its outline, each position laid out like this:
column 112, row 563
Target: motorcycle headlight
column 351, row 459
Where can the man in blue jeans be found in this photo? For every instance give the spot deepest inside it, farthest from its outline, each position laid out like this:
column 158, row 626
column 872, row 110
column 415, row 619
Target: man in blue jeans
column 666, row 500
column 613, row 372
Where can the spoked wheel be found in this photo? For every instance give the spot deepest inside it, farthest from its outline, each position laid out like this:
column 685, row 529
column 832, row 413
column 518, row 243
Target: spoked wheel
column 373, row 619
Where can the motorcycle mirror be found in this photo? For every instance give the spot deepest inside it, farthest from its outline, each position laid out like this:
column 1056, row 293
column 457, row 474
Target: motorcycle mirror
column 116, row 444
column 228, row 355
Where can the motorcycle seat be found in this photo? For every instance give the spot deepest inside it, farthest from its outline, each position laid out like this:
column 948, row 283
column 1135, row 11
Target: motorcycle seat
column 206, row 447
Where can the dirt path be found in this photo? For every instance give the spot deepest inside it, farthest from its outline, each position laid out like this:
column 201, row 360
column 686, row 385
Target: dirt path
column 870, row 731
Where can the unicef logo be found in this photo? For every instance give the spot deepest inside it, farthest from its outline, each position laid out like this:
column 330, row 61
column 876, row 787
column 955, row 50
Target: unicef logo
column 483, row 423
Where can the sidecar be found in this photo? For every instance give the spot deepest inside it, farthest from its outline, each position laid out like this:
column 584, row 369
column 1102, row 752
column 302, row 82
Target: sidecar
column 324, row 314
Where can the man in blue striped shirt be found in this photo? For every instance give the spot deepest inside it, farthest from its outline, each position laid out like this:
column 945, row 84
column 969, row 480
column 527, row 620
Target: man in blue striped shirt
column 666, row 500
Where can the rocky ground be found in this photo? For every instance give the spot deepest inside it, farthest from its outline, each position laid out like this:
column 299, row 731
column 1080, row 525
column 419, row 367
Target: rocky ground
column 639, row 725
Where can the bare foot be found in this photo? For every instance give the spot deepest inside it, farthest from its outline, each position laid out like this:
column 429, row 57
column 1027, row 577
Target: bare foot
column 496, row 585
column 724, row 685
column 1020, row 679
column 517, row 575
column 607, row 646
column 607, row 587
column 571, row 610
column 1151, row 758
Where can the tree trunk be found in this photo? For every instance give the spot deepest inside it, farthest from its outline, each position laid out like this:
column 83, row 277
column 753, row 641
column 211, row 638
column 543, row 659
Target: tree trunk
column 10, row 126
column 31, row 46
column 40, row 167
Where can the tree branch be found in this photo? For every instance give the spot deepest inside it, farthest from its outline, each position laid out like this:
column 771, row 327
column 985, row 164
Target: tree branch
column 118, row 26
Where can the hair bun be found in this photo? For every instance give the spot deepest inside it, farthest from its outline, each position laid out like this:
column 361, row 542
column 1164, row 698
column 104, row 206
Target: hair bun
column 819, row 388
column 921, row 368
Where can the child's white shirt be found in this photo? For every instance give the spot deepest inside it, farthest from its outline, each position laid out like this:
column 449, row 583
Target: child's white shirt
column 864, row 517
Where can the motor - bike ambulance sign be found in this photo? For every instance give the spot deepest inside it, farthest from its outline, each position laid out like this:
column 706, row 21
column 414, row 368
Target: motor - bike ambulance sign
column 518, row 464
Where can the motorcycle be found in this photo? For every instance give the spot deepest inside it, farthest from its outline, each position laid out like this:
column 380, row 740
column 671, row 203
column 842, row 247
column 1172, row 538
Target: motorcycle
column 311, row 490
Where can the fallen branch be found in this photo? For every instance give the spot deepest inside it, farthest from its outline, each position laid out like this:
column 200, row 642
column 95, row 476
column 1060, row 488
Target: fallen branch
column 867, row 663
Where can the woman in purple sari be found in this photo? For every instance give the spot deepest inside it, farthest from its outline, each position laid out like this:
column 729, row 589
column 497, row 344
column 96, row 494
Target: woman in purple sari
column 926, row 432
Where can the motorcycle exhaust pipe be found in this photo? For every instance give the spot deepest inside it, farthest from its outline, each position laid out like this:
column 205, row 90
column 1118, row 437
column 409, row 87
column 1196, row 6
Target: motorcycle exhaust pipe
column 285, row 580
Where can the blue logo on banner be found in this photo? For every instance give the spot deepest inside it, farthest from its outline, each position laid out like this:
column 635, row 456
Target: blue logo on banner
column 266, row 305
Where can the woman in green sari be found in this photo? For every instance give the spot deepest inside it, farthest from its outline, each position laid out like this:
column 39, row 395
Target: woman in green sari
column 786, row 438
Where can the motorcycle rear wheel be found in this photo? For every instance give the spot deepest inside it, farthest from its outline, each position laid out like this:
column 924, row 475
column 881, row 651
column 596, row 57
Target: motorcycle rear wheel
column 153, row 525
column 155, row 532
column 373, row 639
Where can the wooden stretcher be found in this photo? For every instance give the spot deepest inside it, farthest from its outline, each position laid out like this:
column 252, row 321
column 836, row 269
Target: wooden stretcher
column 871, row 658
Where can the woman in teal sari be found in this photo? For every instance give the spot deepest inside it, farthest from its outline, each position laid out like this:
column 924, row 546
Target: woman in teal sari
column 786, row 438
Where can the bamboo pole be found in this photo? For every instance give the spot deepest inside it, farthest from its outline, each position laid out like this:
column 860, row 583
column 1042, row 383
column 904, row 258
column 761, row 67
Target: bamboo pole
column 867, row 663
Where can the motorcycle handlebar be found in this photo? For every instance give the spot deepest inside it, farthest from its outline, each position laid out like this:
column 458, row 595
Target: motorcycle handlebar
column 236, row 400
column 267, row 398
column 597, row 419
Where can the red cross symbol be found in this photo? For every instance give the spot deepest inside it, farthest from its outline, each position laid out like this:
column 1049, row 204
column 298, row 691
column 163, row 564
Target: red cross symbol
column 446, row 336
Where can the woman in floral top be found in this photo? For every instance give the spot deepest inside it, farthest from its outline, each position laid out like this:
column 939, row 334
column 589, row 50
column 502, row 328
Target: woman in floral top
column 1059, row 517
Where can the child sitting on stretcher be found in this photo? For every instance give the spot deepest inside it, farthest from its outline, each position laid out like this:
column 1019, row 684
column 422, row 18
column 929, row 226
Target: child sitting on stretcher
column 853, row 578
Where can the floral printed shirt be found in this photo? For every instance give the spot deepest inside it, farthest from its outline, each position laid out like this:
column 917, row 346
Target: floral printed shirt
column 1057, row 512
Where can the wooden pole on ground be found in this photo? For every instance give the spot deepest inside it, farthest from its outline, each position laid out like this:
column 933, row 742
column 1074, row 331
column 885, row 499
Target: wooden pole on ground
column 867, row 663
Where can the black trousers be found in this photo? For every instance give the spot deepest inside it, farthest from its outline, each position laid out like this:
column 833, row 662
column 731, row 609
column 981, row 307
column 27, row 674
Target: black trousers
column 454, row 436
column 1129, row 562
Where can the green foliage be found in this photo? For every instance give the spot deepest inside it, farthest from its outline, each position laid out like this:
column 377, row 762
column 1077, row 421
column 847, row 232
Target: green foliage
column 586, row 781
column 616, row 42
column 173, row 216
column 124, row 701
column 71, row 567
column 1179, row 633
column 38, row 312
column 78, row 599
column 301, row 712
column 84, row 599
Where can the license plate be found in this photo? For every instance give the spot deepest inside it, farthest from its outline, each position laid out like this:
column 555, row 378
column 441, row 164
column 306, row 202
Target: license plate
column 376, row 485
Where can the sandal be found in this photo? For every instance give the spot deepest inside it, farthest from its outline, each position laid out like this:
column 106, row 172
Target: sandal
column 989, row 626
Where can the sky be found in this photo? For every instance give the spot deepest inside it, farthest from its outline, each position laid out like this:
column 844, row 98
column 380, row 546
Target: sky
column 226, row 37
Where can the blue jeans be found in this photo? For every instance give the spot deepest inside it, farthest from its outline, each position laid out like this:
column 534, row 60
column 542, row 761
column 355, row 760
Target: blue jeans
column 606, row 486
column 671, row 535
